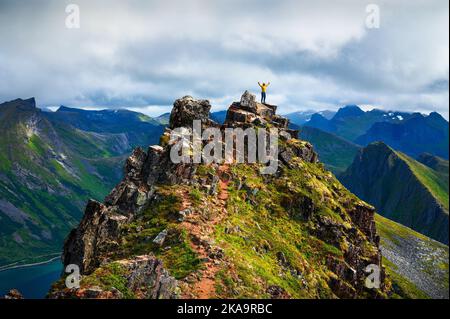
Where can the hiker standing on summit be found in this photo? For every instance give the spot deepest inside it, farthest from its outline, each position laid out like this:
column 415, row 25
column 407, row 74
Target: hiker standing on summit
column 263, row 91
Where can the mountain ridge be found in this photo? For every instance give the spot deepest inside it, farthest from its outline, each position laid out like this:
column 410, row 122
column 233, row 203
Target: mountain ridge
column 48, row 169
column 401, row 188
column 408, row 132
column 412, row 136
column 335, row 152
column 233, row 229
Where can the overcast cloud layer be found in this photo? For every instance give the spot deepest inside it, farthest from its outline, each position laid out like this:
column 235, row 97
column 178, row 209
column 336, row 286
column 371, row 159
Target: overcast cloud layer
column 142, row 55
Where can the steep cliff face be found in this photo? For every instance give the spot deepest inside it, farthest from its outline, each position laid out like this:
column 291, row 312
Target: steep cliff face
column 401, row 189
column 225, row 230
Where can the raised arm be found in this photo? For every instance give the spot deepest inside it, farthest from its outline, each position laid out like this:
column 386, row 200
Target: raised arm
column 259, row 84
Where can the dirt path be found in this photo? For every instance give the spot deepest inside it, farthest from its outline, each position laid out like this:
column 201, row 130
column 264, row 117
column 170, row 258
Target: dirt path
column 201, row 230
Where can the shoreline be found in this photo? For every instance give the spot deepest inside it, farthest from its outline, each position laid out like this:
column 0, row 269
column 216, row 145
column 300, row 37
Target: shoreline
column 31, row 264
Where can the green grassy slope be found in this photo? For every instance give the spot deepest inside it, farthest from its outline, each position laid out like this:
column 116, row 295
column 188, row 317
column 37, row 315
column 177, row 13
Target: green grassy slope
column 336, row 153
column 401, row 189
column 265, row 237
column 417, row 265
column 163, row 119
column 438, row 164
column 132, row 128
column 47, row 173
column 436, row 183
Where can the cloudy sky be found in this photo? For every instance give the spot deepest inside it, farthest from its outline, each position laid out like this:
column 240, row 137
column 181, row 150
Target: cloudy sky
column 142, row 55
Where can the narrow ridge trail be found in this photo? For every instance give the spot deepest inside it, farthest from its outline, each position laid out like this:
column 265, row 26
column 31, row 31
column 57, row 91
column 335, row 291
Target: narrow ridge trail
column 201, row 230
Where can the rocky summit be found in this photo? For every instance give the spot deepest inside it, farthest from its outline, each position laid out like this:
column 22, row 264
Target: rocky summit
column 218, row 230
column 248, row 112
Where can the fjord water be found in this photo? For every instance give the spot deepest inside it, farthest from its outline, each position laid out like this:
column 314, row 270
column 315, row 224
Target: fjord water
column 33, row 282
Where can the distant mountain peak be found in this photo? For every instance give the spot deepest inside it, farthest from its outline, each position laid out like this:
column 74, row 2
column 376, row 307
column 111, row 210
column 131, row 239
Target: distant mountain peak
column 351, row 106
column 317, row 116
column 349, row 110
column 417, row 115
column 385, row 178
column 21, row 104
column 303, row 117
column 63, row 108
column 380, row 146
column 412, row 135
column 436, row 116
column 31, row 102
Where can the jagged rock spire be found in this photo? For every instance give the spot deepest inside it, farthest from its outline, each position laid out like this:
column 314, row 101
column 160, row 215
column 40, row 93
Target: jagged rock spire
column 187, row 109
column 248, row 112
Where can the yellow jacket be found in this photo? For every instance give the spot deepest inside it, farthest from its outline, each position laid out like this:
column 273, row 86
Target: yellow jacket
column 263, row 86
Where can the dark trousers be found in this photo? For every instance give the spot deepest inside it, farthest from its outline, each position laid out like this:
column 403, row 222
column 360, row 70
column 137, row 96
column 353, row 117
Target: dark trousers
column 263, row 97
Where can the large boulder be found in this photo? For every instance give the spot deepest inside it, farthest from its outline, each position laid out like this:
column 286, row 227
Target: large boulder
column 249, row 111
column 187, row 109
column 248, row 101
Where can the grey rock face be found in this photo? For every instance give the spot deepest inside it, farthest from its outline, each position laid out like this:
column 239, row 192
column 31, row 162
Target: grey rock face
column 418, row 260
column 187, row 109
column 249, row 113
column 248, row 101
column 88, row 245
column 159, row 239
column 381, row 177
column 145, row 278
column 183, row 214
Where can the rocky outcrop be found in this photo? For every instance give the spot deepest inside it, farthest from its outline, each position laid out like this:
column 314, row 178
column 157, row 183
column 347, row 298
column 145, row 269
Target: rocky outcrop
column 96, row 236
column 144, row 278
column 187, row 109
column 248, row 113
column 99, row 231
column 363, row 216
column 13, row 294
column 147, row 278
column 351, row 270
column 94, row 243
